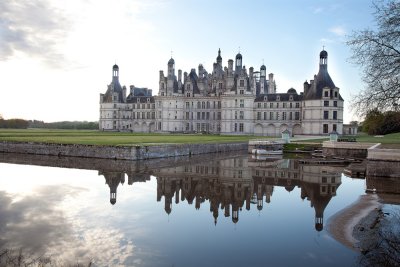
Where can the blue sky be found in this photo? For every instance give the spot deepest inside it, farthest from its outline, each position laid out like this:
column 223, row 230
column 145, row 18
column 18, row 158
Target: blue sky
column 56, row 56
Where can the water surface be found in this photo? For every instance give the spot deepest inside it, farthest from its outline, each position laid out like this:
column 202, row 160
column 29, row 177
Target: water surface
column 213, row 210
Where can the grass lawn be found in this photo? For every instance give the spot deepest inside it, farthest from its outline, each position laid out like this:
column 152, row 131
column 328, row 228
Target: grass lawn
column 387, row 141
column 113, row 138
column 124, row 138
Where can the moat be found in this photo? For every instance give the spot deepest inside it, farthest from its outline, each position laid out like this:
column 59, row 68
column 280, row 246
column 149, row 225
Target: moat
column 209, row 210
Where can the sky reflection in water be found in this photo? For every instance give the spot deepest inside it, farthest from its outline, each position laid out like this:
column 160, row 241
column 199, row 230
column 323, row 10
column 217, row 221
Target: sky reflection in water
column 225, row 211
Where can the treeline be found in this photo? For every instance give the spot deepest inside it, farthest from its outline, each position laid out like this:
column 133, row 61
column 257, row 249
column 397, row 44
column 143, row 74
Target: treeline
column 78, row 125
column 380, row 123
column 14, row 123
column 24, row 124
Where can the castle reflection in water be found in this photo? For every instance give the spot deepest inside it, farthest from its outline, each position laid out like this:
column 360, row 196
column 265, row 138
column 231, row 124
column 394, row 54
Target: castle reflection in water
column 229, row 184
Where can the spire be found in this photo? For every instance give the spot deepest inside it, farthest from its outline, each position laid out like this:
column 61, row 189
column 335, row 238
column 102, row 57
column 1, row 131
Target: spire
column 219, row 58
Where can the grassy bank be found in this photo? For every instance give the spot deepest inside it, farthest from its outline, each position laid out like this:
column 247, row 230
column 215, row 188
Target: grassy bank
column 113, row 138
column 93, row 137
column 386, row 139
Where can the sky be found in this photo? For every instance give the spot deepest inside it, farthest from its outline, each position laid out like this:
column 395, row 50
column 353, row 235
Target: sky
column 56, row 56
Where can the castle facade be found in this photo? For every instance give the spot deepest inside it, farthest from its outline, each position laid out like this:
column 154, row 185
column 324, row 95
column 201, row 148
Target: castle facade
column 229, row 100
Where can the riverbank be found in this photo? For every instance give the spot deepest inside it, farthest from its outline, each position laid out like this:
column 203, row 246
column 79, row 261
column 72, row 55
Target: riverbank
column 118, row 152
column 342, row 225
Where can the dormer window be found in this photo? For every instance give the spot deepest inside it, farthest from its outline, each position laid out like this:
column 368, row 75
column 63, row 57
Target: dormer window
column 336, row 94
column 278, row 98
column 265, row 98
column 188, row 86
column 148, row 99
column 326, row 93
column 290, row 98
column 241, row 83
column 138, row 100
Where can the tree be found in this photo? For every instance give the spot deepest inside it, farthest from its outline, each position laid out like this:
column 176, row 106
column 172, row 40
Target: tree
column 377, row 52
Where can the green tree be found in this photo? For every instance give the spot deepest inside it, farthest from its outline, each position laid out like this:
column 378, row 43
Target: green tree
column 377, row 52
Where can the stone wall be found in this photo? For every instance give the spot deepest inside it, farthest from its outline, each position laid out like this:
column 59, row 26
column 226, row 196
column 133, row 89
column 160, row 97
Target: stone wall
column 346, row 149
column 118, row 152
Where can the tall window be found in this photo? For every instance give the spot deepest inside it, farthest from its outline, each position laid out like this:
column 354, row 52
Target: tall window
column 241, row 127
column 325, row 126
column 335, row 103
column 326, row 115
column 326, row 103
column 242, row 103
column 241, row 83
column 241, row 115
column 335, row 115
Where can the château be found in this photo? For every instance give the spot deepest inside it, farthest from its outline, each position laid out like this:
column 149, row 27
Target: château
column 227, row 100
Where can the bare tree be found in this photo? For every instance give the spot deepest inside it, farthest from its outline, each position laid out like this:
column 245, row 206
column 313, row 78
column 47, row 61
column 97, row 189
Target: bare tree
column 377, row 52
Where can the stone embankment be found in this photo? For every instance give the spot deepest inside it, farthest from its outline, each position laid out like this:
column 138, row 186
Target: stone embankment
column 118, row 152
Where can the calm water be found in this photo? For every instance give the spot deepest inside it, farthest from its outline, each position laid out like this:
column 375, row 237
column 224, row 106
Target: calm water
column 213, row 210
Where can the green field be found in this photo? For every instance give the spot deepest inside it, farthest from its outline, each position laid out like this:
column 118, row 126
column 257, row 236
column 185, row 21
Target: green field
column 124, row 138
column 113, row 138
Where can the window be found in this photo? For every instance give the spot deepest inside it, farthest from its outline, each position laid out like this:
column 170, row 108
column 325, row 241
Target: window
column 335, row 103
column 203, row 105
column 326, row 103
column 188, row 86
column 271, row 116
column 284, row 116
column 198, row 115
column 326, row 93
column 198, row 105
column 220, row 85
column 242, row 103
column 241, row 83
column 271, row 105
column 325, row 126
column 235, row 127
column 235, row 115
column 285, row 105
column 187, row 105
column 336, row 94
column 334, row 127
column 297, row 105
column 290, row 116
column 334, row 115
column 277, row 115
column 241, row 127
column 241, row 92
column 259, row 105
column 241, row 115
column 265, row 115
column 326, row 115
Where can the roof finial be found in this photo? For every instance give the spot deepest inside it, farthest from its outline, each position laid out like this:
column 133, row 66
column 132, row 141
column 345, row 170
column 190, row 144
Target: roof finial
column 171, row 53
column 239, row 49
column 323, row 47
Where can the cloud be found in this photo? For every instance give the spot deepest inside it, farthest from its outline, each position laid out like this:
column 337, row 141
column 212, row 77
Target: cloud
column 338, row 30
column 317, row 10
column 34, row 28
column 44, row 224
